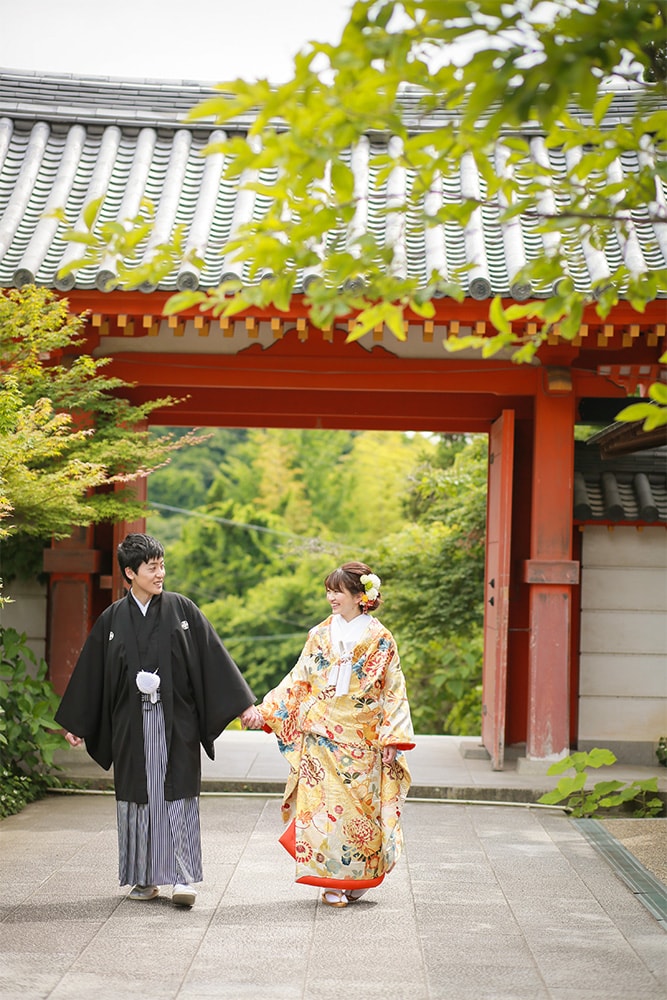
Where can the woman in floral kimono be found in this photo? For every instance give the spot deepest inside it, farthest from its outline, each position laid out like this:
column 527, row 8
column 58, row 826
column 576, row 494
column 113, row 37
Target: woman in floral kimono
column 342, row 718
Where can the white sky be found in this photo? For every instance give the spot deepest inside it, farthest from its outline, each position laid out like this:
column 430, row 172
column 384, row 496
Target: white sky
column 201, row 40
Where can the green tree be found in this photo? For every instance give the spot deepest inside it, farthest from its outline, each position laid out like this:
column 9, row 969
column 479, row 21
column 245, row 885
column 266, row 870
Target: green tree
column 225, row 549
column 434, row 569
column 176, row 489
column 266, row 627
column 375, row 476
column 284, row 509
column 414, row 509
column 71, row 446
column 449, row 82
column 186, row 480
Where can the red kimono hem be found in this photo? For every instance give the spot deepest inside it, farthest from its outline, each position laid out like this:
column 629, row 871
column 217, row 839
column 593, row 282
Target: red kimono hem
column 288, row 840
column 340, row 883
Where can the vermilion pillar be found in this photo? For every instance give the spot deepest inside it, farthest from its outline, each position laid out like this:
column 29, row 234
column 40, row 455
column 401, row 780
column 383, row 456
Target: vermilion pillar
column 550, row 574
column 72, row 563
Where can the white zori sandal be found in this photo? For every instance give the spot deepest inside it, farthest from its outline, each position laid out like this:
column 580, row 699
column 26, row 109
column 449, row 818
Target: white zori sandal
column 341, row 897
column 334, row 897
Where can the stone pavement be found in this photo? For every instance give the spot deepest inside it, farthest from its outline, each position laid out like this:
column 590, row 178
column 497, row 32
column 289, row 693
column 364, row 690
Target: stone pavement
column 499, row 901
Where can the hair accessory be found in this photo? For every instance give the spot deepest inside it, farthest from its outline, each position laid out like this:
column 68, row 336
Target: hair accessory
column 371, row 584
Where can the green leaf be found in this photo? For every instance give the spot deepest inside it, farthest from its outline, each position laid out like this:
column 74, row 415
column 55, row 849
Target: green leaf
column 598, row 757
column 424, row 309
column 86, row 238
column 551, row 798
column 653, row 415
column 658, row 391
column 567, row 785
column 183, row 300
column 342, row 180
column 571, row 324
column 498, row 316
column 601, row 107
column 634, row 412
column 90, row 212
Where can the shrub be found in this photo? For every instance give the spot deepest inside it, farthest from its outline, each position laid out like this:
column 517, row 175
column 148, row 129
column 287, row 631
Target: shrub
column 28, row 736
column 603, row 795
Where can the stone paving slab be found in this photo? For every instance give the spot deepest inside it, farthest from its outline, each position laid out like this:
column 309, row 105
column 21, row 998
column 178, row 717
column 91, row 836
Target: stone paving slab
column 487, row 903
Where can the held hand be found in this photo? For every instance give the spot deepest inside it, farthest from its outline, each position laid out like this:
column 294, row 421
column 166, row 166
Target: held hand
column 251, row 718
column 389, row 755
column 74, row 741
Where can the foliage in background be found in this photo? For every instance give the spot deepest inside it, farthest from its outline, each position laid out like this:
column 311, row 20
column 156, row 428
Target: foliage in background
column 28, row 732
column 604, row 795
column 266, row 627
column 435, row 570
column 287, row 506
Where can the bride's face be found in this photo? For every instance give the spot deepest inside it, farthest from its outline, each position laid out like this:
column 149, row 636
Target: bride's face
column 344, row 603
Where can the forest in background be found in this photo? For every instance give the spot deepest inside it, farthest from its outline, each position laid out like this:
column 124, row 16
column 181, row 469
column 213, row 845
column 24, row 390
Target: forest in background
column 253, row 520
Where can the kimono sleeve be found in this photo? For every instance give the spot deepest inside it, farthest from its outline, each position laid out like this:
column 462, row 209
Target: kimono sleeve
column 84, row 708
column 396, row 727
column 281, row 706
column 221, row 691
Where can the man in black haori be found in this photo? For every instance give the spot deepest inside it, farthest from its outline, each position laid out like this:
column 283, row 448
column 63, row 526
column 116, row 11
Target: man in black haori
column 152, row 684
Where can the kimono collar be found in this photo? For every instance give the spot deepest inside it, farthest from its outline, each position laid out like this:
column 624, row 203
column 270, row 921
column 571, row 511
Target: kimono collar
column 348, row 632
column 344, row 637
column 153, row 600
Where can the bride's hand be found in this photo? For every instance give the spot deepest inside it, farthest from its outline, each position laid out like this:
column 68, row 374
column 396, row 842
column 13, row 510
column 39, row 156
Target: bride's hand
column 251, row 718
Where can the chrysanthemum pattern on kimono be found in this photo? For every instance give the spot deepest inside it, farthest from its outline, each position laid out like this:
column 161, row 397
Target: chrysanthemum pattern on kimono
column 341, row 804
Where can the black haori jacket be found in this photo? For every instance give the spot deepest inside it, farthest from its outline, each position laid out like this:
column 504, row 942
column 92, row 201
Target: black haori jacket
column 201, row 689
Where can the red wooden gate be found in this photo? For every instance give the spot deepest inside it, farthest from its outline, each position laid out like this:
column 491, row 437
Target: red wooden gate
column 496, row 609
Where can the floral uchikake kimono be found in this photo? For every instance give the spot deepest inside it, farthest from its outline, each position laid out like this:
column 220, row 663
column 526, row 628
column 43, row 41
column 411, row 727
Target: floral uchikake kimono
column 342, row 703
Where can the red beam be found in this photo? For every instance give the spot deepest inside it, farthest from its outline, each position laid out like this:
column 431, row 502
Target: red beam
column 265, row 370
column 239, row 407
column 134, row 303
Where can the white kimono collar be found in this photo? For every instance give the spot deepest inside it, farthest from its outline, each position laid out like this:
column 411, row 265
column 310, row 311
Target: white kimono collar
column 344, row 637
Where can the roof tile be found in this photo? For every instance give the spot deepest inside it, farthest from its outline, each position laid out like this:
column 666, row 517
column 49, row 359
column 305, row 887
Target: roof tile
column 54, row 105
column 629, row 488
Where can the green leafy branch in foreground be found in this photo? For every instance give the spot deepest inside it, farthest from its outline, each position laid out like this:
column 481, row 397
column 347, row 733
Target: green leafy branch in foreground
column 604, row 795
column 653, row 414
column 453, row 85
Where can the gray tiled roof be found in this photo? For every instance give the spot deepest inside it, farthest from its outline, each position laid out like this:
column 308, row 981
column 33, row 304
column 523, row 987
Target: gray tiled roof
column 66, row 140
column 624, row 488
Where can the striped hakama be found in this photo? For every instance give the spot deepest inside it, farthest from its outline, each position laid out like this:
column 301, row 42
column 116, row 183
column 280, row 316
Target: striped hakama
column 159, row 842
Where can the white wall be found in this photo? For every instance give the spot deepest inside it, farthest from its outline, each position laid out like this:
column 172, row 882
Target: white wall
column 623, row 646
column 27, row 612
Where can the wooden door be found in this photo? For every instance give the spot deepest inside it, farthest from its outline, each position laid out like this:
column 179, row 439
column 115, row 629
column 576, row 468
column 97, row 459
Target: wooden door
column 496, row 584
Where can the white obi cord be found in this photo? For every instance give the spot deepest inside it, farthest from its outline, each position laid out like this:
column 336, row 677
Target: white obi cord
column 148, row 683
column 344, row 637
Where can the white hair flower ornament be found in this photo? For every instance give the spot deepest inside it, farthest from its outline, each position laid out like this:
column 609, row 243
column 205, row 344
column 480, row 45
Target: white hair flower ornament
column 371, row 584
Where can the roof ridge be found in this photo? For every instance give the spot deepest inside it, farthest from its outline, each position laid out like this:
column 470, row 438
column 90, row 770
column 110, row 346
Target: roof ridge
column 63, row 96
